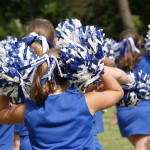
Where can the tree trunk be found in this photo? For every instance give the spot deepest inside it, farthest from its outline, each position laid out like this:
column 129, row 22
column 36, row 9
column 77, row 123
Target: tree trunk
column 125, row 14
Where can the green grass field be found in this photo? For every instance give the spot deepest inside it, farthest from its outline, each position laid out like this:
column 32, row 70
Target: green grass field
column 111, row 139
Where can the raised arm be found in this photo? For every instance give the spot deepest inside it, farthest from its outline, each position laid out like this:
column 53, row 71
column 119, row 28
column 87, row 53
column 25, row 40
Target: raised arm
column 119, row 75
column 97, row 100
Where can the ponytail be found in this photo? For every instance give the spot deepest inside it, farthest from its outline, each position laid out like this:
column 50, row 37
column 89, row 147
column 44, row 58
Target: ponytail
column 39, row 92
column 128, row 62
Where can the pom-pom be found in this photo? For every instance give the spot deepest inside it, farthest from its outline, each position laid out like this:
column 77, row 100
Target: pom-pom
column 66, row 31
column 14, row 81
column 137, row 91
column 113, row 49
column 83, row 60
column 82, row 52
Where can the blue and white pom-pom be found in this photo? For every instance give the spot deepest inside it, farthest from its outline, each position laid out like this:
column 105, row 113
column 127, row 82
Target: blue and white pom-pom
column 17, row 68
column 83, row 52
column 83, row 61
column 113, row 49
column 147, row 41
column 137, row 91
column 13, row 56
column 67, row 30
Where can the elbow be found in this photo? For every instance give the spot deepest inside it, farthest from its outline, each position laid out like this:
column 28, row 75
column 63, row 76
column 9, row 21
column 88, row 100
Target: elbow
column 119, row 95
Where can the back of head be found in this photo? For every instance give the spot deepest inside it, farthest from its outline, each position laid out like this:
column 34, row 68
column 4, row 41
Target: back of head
column 130, row 33
column 128, row 62
column 41, row 27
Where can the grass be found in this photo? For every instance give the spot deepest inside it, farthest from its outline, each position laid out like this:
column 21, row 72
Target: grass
column 111, row 139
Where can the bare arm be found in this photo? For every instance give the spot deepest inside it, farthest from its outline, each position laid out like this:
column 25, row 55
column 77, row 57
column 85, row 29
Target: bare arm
column 118, row 74
column 4, row 101
column 16, row 141
column 97, row 100
column 12, row 115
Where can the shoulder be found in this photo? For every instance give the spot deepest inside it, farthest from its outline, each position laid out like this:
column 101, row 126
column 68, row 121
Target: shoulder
column 30, row 106
column 74, row 96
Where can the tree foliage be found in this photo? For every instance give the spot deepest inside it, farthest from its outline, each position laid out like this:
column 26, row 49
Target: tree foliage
column 15, row 15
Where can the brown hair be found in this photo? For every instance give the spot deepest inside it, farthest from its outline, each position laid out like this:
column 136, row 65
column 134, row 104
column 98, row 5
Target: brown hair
column 42, row 27
column 39, row 92
column 128, row 62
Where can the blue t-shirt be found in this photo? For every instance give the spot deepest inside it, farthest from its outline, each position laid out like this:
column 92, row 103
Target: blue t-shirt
column 143, row 64
column 62, row 122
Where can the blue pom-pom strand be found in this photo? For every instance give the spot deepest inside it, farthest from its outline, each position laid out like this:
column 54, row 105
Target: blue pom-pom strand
column 82, row 58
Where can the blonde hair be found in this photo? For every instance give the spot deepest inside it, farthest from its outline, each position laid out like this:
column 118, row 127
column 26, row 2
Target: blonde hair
column 39, row 92
column 128, row 62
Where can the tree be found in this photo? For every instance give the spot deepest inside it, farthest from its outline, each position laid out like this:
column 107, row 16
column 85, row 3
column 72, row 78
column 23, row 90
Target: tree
column 125, row 14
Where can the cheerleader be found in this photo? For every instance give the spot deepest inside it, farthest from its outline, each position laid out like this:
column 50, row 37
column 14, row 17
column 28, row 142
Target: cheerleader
column 134, row 121
column 7, row 131
column 70, row 29
column 67, row 30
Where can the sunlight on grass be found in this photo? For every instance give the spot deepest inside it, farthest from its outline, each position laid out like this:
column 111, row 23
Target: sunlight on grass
column 111, row 139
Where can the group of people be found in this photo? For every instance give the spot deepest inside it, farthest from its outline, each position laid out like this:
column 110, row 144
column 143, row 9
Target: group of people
column 61, row 81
